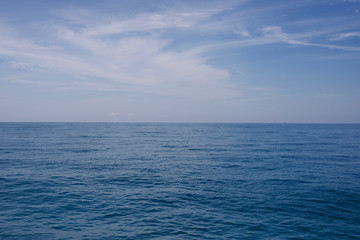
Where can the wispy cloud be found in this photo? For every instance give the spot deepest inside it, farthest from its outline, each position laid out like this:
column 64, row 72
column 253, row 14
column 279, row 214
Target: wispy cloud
column 353, row 1
column 276, row 32
column 344, row 36
column 137, row 53
column 149, row 23
column 132, row 61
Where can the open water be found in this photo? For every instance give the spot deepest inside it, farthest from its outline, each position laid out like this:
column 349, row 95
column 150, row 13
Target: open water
column 179, row 181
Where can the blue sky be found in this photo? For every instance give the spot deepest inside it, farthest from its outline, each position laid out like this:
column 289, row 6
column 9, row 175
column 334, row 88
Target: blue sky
column 180, row 61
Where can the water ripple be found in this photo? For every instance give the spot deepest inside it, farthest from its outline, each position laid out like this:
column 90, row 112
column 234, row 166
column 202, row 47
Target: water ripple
column 179, row 181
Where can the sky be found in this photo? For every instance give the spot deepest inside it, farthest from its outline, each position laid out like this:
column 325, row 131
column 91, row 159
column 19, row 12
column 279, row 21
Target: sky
column 180, row 61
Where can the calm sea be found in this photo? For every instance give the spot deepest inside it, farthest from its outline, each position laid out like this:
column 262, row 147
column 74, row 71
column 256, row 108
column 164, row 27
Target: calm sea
column 179, row 181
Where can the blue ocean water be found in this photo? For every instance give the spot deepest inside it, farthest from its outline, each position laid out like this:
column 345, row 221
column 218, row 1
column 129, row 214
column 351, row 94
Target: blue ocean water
column 179, row 181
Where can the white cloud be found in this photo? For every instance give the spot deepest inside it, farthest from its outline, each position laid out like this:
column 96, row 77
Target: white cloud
column 344, row 36
column 148, row 22
column 133, row 62
column 242, row 33
column 135, row 54
column 276, row 33
column 22, row 65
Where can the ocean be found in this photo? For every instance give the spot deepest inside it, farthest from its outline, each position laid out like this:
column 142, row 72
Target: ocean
column 179, row 181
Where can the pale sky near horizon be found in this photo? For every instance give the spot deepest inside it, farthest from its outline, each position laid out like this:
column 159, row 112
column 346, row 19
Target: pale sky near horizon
column 180, row 61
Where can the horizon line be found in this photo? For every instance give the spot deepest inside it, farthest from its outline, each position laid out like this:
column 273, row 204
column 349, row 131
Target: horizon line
column 185, row 122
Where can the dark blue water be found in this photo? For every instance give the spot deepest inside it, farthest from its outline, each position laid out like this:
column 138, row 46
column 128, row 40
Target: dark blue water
column 179, row 181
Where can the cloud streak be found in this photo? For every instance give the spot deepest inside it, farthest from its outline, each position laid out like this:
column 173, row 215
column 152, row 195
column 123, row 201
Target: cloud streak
column 345, row 36
column 276, row 33
column 135, row 62
column 141, row 52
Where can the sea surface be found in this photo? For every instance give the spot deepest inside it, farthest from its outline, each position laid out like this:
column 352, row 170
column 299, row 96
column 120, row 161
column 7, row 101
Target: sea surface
column 179, row 181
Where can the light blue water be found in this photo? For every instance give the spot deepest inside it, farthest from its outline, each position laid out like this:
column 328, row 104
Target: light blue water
column 179, row 181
